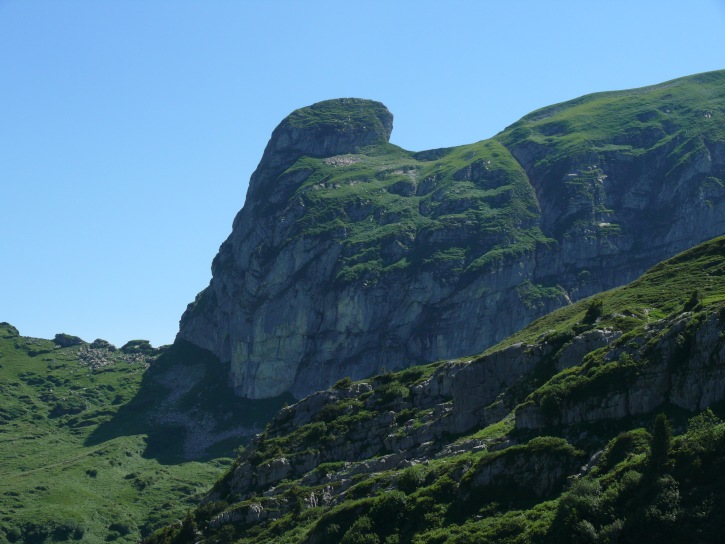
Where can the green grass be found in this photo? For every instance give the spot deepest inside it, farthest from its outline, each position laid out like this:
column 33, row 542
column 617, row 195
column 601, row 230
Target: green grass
column 79, row 458
column 344, row 115
column 649, row 116
column 579, row 153
column 395, row 213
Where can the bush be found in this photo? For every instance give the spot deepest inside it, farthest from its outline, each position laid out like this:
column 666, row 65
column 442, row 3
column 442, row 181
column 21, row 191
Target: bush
column 69, row 405
column 661, row 443
column 388, row 509
column 13, row 534
column 138, row 346
column 623, row 446
column 120, row 528
column 693, row 301
column 99, row 343
column 361, row 532
column 67, row 340
column 594, row 312
column 412, row 478
column 392, row 391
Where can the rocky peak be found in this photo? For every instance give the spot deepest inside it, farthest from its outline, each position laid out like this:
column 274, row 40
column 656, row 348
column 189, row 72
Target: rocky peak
column 324, row 129
column 352, row 255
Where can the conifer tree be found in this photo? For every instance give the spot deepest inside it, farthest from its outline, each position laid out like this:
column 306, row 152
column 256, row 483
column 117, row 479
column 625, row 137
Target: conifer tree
column 661, row 442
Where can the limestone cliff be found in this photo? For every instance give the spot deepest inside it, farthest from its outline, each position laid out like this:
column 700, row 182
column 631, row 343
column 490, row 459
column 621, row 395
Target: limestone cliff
column 511, row 441
column 352, row 255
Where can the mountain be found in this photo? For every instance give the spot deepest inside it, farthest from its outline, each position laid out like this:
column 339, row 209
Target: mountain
column 352, row 256
column 597, row 423
column 351, row 262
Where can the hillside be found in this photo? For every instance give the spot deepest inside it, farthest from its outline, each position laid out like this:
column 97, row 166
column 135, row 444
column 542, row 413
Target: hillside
column 352, row 255
column 104, row 444
column 552, row 436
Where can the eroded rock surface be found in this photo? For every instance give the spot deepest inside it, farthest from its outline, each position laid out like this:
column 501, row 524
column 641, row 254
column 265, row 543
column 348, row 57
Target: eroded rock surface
column 351, row 255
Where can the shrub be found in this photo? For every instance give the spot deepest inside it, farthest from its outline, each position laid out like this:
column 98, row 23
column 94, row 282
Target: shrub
column 361, row 532
column 99, row 343
column 411, row 478
column 661, row 442
column 392, row 391
column 623, row 446
column 138, row 346
column 594, row 312
column 69, row 405
column 313, row 432
column 187, row 534
column 67, row 340
column 388, row 509
column 693, row 301
column 13, row 534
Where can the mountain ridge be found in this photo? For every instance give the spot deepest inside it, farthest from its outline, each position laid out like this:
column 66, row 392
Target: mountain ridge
column 341, row 263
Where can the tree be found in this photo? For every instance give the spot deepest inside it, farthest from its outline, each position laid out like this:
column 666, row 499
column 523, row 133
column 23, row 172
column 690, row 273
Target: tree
column 187, row 535
column 661, row 442
column 694, row 301
column 594, row 311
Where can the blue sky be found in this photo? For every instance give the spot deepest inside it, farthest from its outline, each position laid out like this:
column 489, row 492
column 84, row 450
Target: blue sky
column 129, row 129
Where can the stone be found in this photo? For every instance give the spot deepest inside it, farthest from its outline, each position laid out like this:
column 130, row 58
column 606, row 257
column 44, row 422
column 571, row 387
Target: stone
column 67, row 340
column 276, row 312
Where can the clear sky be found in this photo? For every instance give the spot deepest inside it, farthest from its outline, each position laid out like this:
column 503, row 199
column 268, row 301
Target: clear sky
column 129, row 129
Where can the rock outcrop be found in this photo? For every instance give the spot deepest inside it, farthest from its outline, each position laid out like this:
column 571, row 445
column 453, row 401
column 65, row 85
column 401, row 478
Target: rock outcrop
column 547, row 418
column 687, row 370
column 351, row 255
column 583, row 375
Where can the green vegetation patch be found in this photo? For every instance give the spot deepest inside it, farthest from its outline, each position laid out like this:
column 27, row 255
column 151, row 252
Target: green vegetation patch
column 394, row 211
column 80, row 461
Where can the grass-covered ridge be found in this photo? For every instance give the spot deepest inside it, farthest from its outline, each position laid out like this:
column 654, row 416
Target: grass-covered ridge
column 638, row 118
column 590, row 151
column 345, row 115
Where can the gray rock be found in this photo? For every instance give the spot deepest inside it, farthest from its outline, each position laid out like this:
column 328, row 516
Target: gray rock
column 275, row 314
column 690, row 377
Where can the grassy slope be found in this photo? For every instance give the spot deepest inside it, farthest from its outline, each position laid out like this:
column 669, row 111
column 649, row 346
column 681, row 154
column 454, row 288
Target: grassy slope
column 663, row 290
column 627, row 496
column 467, row 207
column 54, row 480
column 688, row 111
column 396, row 211
column 661, row 130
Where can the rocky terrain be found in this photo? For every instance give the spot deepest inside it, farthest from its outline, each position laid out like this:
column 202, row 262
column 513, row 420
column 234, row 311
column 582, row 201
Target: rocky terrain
column 542, row 438
column 351, row 255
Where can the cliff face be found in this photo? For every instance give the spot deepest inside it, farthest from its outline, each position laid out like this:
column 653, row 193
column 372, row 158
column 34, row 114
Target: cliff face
column 352, row 255
column 523, row 430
